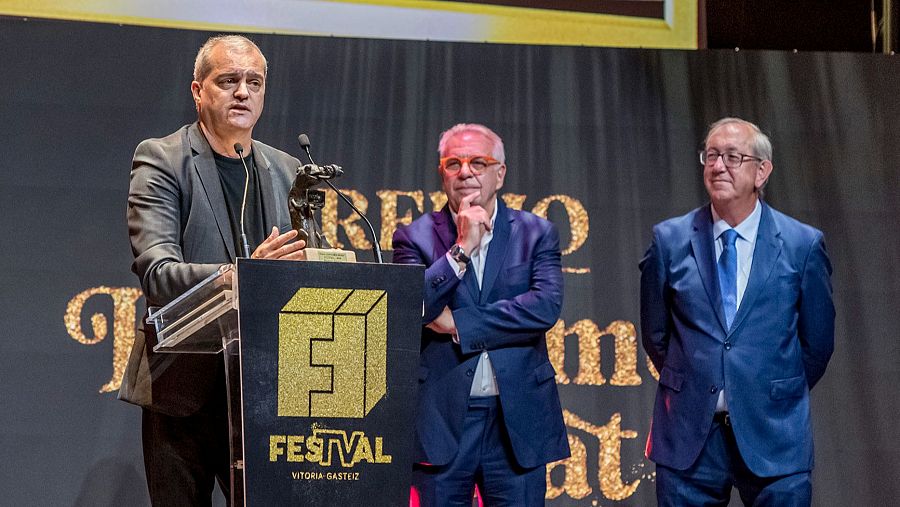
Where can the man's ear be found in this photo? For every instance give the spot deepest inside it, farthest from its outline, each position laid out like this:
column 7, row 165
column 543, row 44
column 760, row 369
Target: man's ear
column 763, row 173
column 501, row 175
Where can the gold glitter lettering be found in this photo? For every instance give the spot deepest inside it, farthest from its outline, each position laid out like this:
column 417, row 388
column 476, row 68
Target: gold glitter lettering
column 380, row 456
column 610, row 438
column 438, row 200
column 363, row 451
column 514, row 201
column 575, row 484
column 589, row 363
column 389, row 218
column 578, row 218
column 652, row 369
column 294, row 448
column 330, row 222
column 275, row 446
column 579, row 225
column 124, row 310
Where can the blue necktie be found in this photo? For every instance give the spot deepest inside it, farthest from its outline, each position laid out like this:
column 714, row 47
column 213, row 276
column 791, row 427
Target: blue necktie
column 728, row 275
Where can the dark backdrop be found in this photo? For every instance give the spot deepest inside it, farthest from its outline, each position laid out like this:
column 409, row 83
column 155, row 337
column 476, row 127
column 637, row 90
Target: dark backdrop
column 615, row 129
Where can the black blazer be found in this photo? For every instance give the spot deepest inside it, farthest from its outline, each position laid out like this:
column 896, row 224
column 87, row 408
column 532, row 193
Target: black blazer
column 180, row 234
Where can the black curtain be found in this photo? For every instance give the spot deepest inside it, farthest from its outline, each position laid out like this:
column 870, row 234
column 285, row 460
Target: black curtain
column 616, row 130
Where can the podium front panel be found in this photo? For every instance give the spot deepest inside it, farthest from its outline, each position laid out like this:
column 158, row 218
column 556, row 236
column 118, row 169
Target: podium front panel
column 329, row 361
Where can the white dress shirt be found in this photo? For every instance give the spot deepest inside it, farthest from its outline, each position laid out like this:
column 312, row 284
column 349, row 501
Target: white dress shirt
column 745, row 244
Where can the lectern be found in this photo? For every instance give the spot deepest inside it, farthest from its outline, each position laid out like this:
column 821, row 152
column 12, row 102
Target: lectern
column 321, row 363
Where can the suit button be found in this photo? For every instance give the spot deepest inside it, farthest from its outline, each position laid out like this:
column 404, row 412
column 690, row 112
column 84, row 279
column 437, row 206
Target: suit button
column 727, row 345
column 469, row 373
column 713, row 389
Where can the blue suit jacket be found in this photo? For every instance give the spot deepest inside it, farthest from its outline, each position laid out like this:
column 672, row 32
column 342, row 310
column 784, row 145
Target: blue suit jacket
column 776, row 350
column 520, row 300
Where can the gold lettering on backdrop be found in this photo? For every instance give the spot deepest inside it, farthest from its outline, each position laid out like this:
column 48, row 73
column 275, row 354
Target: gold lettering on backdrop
column 652, row 369
column 579, row 225
column 589, row 363
column 124, row 308
column 575, row 483
column 438, row 200
column 389, row 218
column 609, row 438
column 330, row 222
column 514, row 201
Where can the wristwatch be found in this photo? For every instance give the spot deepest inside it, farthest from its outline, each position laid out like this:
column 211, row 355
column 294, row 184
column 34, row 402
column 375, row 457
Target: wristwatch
column 459, row 254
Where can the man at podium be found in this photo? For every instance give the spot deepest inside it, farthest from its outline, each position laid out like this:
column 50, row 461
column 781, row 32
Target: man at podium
column 488, row 408
column 192, row 193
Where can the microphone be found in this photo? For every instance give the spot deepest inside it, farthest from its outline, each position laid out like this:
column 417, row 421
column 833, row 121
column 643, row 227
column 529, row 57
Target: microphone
column 324, row 172
column 312, row 170
column 239, row 149
column 305, row 144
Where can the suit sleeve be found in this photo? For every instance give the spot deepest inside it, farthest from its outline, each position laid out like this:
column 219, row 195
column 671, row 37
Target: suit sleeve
column 654, row 309
column 440, row 278
column 523, row 318
column 815, row 324
column 154, row 226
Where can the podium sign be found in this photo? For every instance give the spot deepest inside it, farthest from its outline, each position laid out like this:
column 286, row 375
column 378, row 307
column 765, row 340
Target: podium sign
column 328, row 357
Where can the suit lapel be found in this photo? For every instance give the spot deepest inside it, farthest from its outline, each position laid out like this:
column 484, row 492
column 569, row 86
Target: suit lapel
column 497, row 250
column 705, row 256
column 212, row 186
column 765, row 255
column 270, row 215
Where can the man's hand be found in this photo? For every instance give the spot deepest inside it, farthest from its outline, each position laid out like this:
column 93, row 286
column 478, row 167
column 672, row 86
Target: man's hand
column 444, row 323
column 471, row 223
column 277, row 246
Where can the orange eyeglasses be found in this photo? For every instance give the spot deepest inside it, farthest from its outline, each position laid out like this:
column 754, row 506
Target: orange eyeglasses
column 477, row 163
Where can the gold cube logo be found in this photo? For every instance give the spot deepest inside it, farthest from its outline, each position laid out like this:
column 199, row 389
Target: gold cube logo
column 332, row 352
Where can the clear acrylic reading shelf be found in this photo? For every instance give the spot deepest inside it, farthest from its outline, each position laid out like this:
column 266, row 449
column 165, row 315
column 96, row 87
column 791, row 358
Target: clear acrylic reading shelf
column 203, row 320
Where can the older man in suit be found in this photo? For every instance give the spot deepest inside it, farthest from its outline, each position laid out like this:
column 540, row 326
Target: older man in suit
column 184, row 207
column 488, row 408
column 737, row 316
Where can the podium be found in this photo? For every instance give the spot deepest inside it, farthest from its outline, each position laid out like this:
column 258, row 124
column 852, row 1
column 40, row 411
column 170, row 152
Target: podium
column 321, row 363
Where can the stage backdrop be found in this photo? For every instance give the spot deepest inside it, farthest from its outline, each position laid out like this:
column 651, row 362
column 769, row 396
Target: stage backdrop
column 603, row 141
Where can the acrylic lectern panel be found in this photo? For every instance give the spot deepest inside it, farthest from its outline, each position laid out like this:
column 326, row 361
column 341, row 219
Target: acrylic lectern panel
column 203, row 320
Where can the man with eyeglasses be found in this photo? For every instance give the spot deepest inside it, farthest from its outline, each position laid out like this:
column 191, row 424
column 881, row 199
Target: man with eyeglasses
column 737, row 317
column 488, row 408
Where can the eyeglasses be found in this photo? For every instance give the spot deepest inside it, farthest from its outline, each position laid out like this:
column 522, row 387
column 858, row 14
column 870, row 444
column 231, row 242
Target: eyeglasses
column 477, row 163
column 731, row 159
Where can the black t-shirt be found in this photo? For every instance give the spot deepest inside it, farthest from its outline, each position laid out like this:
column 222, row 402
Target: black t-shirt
column 232, row 176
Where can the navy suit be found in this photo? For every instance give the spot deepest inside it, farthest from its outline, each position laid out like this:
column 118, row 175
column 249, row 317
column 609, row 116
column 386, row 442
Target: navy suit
column 519, row 301
column 775, row 351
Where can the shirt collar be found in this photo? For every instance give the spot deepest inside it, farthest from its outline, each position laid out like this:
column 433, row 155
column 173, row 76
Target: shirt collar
column 746, row 230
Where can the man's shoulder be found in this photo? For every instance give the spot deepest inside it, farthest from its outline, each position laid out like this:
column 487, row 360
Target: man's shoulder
column 423, row 223
column 529, row 220
column 176, row 138
column 272, row 152
column 791, row 228
column 676, row 226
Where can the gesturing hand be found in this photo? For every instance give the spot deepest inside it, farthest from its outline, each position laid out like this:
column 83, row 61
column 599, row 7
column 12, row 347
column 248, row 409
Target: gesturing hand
column 471, row 223
column 277, row 246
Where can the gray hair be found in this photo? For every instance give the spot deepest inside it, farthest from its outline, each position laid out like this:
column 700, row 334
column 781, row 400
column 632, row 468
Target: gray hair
column 760, row 144
column 459, row 128
column 237, row 43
